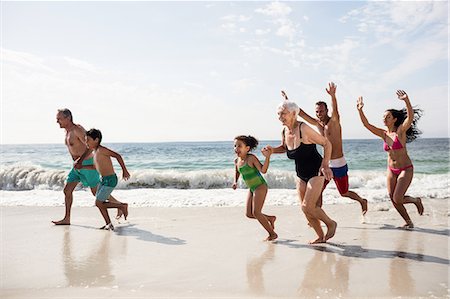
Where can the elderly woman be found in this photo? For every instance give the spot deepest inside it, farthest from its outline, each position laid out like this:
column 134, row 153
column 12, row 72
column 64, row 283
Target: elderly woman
column 299, row 141
column 401, row 128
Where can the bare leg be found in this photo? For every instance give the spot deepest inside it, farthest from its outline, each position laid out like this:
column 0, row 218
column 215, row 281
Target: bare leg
column 313, row 191
column 355, row 196
column 112, row 200
column 249, row 210
column 68, row 199
column 249, row 205
column 312, row 222
column 397, row 186
column 417, row 201
column 103, row 206
column 119, row 211
column 259, row 197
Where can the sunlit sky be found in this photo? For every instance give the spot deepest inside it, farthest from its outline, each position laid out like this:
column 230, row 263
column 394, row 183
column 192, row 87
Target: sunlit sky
column 208, row 71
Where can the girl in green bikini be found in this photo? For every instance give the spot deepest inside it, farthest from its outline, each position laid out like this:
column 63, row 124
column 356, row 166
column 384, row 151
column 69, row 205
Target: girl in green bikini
column 250, row 168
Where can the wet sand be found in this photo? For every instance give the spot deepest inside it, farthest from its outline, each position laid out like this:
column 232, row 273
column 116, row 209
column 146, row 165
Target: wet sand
column 218, row 252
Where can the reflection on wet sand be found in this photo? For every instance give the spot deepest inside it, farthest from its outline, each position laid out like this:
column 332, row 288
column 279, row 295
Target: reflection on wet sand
column 326, row 274
column 255, row 276
column 401, row 282
column 93, row 269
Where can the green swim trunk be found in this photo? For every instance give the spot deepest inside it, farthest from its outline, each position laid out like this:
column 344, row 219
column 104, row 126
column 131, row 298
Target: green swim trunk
column 106, row 187
column 88, row 177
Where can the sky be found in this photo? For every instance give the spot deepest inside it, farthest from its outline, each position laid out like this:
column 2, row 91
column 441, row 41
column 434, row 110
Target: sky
column 208, row 71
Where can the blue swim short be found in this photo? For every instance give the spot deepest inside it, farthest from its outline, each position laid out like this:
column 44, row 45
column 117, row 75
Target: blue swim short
column 106, row 186
column 88, row 177
column 339, row 172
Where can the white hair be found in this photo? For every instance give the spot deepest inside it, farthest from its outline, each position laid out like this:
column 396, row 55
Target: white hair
column 289, row 105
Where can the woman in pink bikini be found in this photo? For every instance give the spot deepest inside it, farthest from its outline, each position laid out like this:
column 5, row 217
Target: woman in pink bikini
column 401, row 128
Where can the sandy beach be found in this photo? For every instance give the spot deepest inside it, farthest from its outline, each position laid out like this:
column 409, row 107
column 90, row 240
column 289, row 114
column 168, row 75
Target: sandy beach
column 218, row 253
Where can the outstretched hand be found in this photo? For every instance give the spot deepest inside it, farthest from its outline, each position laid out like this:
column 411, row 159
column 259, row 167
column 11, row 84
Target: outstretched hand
column 401, row 94
column 266, row 151
column 360, row 103
column 284, row 95
column 331, row 90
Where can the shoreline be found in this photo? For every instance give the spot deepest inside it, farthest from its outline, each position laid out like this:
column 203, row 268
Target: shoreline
column 216, row 252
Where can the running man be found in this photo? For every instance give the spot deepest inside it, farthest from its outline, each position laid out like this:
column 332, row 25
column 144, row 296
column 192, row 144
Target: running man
column 83, row 168
column 330, row 127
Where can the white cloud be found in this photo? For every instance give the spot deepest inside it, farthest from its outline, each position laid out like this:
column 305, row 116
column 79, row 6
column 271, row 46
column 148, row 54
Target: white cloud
column 24, row 59
column 390, row 20
column 231, row 23
column 129, row 104
column 279, row 12
column 236, row 18
column 83, row 65
column 419, row 56
column 287, row 30
column 262, row 31
column 275, row 9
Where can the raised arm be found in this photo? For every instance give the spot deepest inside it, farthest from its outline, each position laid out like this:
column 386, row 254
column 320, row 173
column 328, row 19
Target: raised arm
column 409, row 110
column 125, row 173
column 332, row 92
column 309, row 118
column 313, row 137
column 377, row 131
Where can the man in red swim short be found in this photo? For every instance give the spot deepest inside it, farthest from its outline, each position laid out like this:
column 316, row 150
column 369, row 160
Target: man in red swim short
column 330, row 127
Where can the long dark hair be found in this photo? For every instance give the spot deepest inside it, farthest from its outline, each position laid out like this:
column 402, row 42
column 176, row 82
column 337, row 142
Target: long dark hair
column 413, row 132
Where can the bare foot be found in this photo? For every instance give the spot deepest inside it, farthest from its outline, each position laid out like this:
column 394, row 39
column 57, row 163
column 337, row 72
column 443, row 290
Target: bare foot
column 364, row 206
column 331, row 230
column 408, row 225
column 419, row 205
column 317, row 241
column 125, row 210
column 109, row 226
column 271, row 220
column 119, row 213
column 61, row 222
column 272, row 237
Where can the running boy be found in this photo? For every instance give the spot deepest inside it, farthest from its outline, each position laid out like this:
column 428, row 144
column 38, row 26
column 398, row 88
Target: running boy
column 103, row 164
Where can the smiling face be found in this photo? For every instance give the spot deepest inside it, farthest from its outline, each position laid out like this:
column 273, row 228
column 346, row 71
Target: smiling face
column 286, row 116
column 62, row 120
column 240, row 148
column 321, row 112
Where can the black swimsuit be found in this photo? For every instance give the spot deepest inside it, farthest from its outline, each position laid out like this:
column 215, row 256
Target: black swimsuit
column 307, row 159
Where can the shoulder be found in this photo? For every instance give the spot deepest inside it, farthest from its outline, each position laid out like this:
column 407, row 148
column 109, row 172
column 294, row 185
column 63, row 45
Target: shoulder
column 79, row 128
column 251, row 157
column 334, row 122
column 102, row 150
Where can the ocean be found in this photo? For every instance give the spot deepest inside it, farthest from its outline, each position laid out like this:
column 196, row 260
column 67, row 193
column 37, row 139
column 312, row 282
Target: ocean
column 186, row 174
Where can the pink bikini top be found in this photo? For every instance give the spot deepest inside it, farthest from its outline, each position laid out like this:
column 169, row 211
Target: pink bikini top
column 396, row 145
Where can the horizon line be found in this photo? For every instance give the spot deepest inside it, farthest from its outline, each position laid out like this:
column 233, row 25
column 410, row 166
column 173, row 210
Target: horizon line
column 197, row 141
